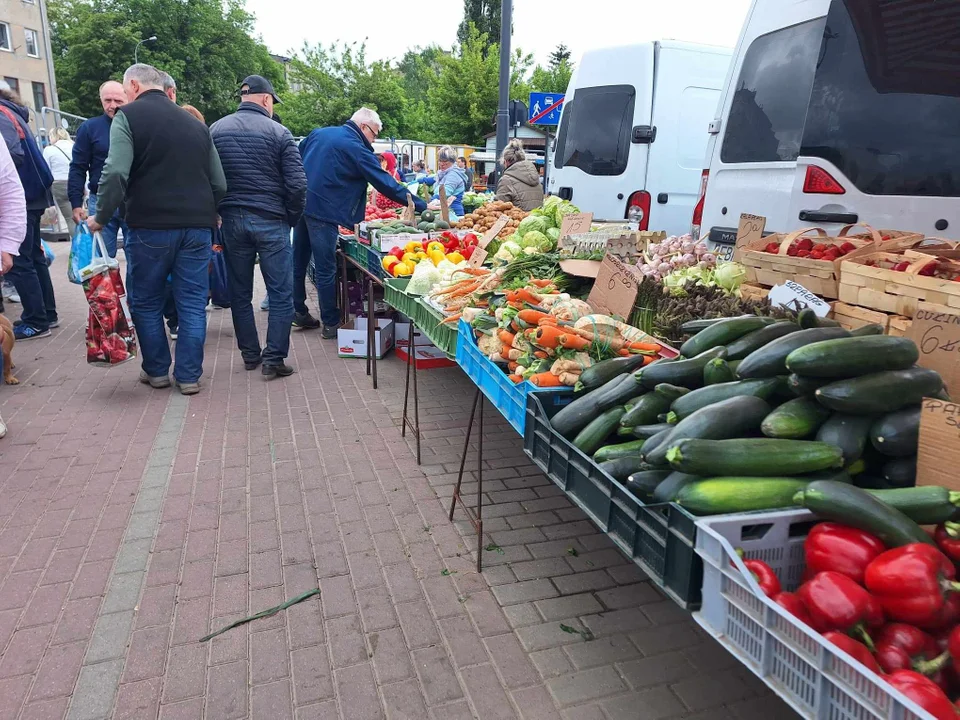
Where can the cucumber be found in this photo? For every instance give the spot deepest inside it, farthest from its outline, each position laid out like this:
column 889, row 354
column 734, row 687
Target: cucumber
column 592, row 437
column 896, row 434
column 858, row 508
column 612, row 452
column 668, row 489
column 847, row 432
column 644, row 431
column 731, row 418
column 881, row 392
column 804, row 386
column 741, row 347
column 574, row 417
column 901, row 472
column 603, row 372
column 849, row 356
column 692, row 327
column 720, row 495
column 928, row 505
column 646, row 409
column 868, row 329
column 795, row 419
column 752, row 456
column 690, row 403
column 686, row 373
column 722, row 333
column 643, row 484
column 622, row 468
column 771, row 359
column 718, row 371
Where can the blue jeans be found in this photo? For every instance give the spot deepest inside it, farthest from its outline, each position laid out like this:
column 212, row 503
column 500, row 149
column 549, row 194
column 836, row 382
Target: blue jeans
column 245, row 236
column 319, row 238
column 152, row 255
column 109, row 232
column 31, row 277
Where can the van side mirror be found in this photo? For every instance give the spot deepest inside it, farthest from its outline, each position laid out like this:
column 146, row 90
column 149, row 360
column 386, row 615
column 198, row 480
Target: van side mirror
column 644, row 134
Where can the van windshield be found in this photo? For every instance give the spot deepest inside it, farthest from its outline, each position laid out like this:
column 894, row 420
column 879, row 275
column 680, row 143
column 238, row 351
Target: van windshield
column 595, row 130
column 885, row 105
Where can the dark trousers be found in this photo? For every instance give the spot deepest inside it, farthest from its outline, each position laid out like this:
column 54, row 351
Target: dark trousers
column 31, row 277
column 319, row 239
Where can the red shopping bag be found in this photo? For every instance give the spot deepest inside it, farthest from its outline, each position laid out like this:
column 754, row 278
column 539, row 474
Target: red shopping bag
column 110, row 336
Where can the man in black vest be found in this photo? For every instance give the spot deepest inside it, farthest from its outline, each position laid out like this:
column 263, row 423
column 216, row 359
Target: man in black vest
column 163, row 165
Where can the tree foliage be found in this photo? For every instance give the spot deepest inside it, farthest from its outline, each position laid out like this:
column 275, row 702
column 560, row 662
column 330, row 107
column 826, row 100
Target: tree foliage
column 485, row 16
column 206, row 45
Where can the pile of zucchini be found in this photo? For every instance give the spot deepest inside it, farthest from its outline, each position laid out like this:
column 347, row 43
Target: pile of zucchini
column 753, row 410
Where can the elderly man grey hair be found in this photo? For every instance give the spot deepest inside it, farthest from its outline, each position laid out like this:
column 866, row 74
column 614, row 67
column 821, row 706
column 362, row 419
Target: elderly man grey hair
column 147, row 76
column 369, row 123
column 169, row 85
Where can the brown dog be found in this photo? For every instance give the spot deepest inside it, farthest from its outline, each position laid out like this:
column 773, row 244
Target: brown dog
column 7, row 339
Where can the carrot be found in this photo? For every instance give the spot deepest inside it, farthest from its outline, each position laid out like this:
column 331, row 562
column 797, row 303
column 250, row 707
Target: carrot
column 546, row 379
column 511, row 296
column 548, row 336
column 540, row 354
column 649, row 359
column 506, row 337
column 527, row 296
column 541, row 283
column 651, row 347
column 573, row 342
column 623, row 352
column 512, row 366
column 516, row 378
column 451, row 319
column 505, row 353
column 532, row 316
column 549, row 320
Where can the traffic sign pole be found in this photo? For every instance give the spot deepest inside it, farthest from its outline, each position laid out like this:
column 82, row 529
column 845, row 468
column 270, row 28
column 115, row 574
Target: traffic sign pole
column 503, row 112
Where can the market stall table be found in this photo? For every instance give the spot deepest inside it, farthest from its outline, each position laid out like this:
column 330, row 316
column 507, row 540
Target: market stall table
column 345, row 261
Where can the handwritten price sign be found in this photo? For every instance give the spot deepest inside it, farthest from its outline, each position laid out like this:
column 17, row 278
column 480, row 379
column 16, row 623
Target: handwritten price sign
column 937, row 335
column 750, row 229
column 615, row 289
column 938, row 450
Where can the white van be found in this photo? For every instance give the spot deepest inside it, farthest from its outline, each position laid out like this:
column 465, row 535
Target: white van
column 633, row 131
column 836, row 112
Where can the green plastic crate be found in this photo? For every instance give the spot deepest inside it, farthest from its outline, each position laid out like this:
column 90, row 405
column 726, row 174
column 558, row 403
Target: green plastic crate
column 395, row 295
column 428, row 320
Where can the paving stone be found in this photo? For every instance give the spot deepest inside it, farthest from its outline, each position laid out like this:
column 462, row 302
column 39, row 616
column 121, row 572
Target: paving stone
column 708, row 690
column 659, row 669
column 586, row 685
column 649, row 705
column 527, row 591
column 436, row 675
column 568, row 606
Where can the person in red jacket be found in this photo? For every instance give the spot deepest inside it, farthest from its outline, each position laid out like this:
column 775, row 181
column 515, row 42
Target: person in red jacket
column 388, row 161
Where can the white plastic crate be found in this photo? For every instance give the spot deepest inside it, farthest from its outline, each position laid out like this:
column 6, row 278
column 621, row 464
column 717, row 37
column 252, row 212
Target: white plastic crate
column 812, row 675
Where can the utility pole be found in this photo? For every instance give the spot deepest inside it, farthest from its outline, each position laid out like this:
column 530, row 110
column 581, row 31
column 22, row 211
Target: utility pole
column 503, row 111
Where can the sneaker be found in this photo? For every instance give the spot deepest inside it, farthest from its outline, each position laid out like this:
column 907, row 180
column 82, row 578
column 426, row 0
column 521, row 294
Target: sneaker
column 252, row 364
column 305, row 321
column 265, row 303
column 173, row 333
column 10, row 293
column 3, row 428
column 274, row 371
column 329, row 331
column 188, row 388
column 28, row 332
column 154, row 382
column 54, row 324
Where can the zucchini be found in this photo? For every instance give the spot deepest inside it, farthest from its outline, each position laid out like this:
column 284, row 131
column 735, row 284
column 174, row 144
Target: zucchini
column 837, row 475
column 731, row 418
column 741, row 347
column 668, row 489
column 690, row 403
column 642, row 484
column 928, row 505
column 858, row 508
column 624, row 467
column 868, row 329
column 796, row 419
column 603, row 372
column 807, row 319
column 881, row 392
column 644, row 431
column 722, row 333
column 574, row 417
column 752, row 456
column 900, row 472
column 771, row 359
column 692, row 327
column 654, row 441
column 847, row 432
column 720, row 495
column 804, row 386
column 896, row 434
column 718, row 371
column 671, row 392
column 686, row 373
column 853, row 356
column 592, row 437
column 646, row 410
column 612, row 452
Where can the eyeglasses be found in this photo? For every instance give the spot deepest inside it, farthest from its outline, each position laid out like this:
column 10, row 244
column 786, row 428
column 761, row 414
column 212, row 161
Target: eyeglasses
column 373, row 132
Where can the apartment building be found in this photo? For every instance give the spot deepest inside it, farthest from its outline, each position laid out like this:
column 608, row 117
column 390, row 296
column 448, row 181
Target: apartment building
column 26, row 63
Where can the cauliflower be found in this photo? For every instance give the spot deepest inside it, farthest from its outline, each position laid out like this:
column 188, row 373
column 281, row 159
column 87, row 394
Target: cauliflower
column 490, row 345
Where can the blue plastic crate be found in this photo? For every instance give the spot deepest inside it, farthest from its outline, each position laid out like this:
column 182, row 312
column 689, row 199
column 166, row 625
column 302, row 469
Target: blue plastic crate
column 508, row 397
column 373, row 260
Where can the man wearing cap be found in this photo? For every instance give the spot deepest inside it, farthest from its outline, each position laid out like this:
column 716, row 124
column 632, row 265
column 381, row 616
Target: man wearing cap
column 266, row 188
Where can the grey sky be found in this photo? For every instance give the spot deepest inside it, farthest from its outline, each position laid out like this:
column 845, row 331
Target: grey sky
column 390, row 27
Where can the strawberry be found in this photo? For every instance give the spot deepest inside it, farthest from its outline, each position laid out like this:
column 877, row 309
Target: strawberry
column 901, row 266
column 805, row 244
column 820, row 247
column 792, row 251
column 929, row 269
column 803, row 253
column 816, row 255
column 847, row 247
column 773, row 248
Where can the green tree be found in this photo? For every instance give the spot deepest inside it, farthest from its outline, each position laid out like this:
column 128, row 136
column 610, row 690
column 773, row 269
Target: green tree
column 206, row 45
column 485, row 16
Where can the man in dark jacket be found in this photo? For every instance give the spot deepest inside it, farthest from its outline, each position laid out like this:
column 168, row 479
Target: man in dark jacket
column 339, row 162
column 29, row 273
column 266, row 188
column 163, row 165
column 89, row 154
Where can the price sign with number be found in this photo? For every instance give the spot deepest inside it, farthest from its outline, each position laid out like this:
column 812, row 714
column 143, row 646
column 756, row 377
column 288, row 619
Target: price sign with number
column 575, row 224
column 938, row 449
column 937, row 335
column 750, row 229
column 615, row 288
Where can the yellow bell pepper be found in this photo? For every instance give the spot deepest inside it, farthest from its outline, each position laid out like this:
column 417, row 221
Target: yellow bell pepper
column 388, row 262
column 435, row 246
column 410, row 257
column 421, row 256
column 455, row 257
column 412, row 246
column 437, row 256
column 402, row 269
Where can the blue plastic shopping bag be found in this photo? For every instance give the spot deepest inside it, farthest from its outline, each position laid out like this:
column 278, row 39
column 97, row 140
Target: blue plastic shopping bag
column 219, row 291
column 47, row 253
column 81, row 253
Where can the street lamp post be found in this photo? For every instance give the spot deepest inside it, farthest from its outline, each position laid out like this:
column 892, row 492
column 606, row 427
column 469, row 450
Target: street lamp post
column 149, row 39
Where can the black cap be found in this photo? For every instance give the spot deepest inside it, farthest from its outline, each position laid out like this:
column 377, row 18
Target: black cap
column 256, row 85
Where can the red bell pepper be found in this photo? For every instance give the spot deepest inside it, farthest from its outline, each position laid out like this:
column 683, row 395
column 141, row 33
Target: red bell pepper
column 904, row 647
column 793, row 605
column 947, row 537
column 764, row 575
column 953, row 647
column 924, row 692
column 835, row 602
column 911, row 582
column 874, row 617
column 846, row 550
column 467, row 251
column 856, row 650
column 947, row 617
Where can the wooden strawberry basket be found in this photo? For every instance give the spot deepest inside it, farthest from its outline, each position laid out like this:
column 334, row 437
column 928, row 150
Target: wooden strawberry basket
column 869, row 280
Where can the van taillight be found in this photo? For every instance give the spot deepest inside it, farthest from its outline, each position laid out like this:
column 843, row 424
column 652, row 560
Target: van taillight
column 819, row 182
column 638, row 208
column 698, row 208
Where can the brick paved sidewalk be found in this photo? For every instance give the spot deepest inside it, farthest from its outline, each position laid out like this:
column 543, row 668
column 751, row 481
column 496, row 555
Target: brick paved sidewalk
column 134, row 521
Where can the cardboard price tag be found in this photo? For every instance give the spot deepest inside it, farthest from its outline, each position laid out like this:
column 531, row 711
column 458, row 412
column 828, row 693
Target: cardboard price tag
column 937, row 335
column 791, row 294
column 938, row 450
column 409, row 212
column 490, row 234
column 444, row 207
column 576, row 223
column 615, row 289
column 750, row 229
column 477, row 258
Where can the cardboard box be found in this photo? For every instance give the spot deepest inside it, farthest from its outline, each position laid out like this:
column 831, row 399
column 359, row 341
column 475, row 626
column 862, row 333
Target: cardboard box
column 352, row 338
column 402, row 333
column 427, row 357
column 386, row 243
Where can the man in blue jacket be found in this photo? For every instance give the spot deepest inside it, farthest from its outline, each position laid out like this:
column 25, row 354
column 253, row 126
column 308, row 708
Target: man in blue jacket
column 339, row 162
column 89, row 154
